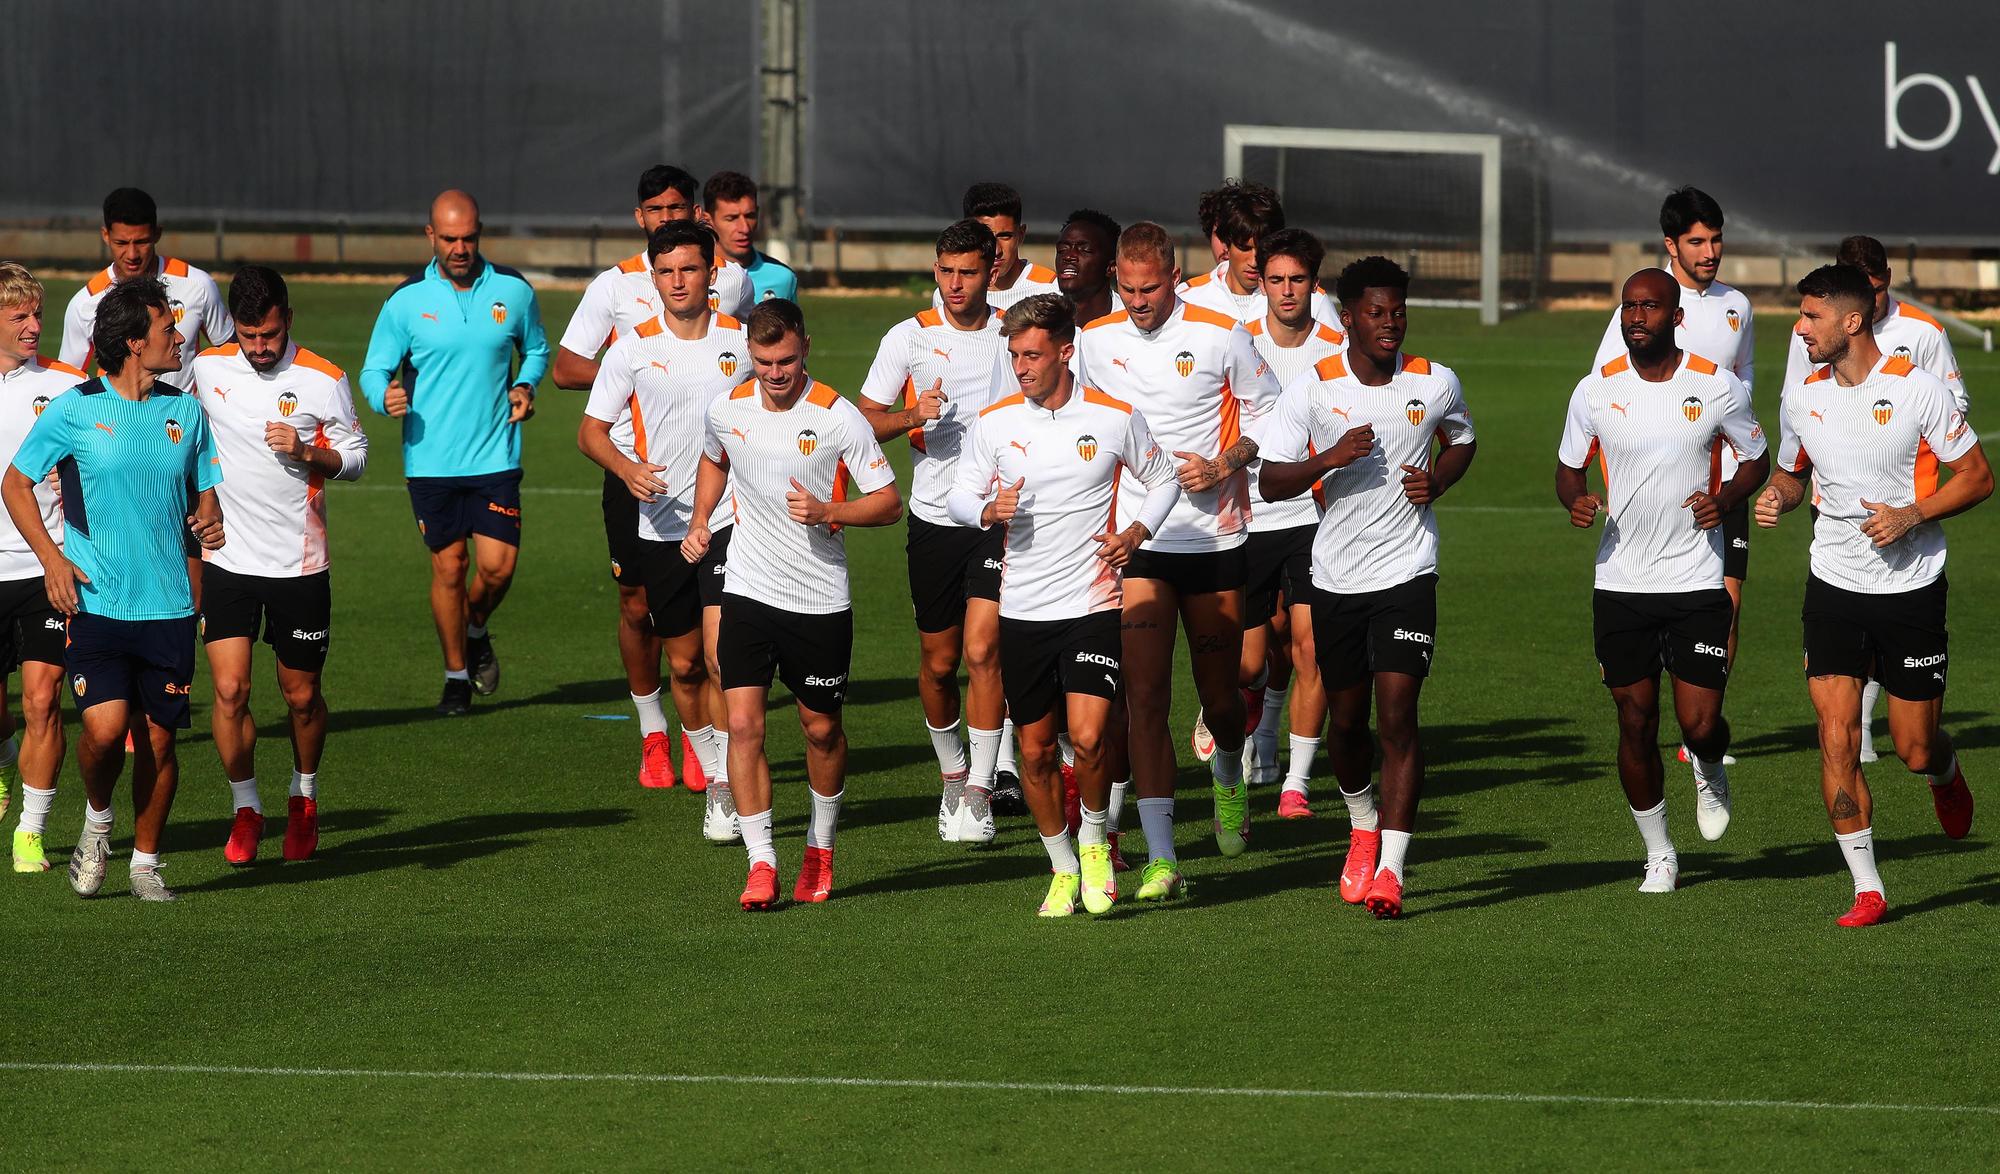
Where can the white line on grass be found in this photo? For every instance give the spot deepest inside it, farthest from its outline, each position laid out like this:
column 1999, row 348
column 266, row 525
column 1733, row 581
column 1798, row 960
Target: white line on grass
column 1128, row 1090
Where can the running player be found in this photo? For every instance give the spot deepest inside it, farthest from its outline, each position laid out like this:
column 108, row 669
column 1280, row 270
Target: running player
column 998, row 207
column 1196, row 376
column 1716, row 324
column 1903, row 331
column 1384, row 434
column 1244, row 212
column 1085, row 254
column 660, row 376
column 1868, row 431
column 1661, row 416
column 457, row 327
column 132, row 236
column 1277, row 616
column 782, row 443
column 131, row 452
column 1042, row 468
column 283, row 421
column 729, row 207
column 617, row 301
column 931, row 377
column 31, row 632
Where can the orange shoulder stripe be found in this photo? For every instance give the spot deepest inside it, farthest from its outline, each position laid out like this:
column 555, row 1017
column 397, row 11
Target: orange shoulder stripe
column 1198, row 280
column 1621, row 363
column 1255, row 326
column 1906, row 310
column 650, row 328
column 1093, row 396
column 1208, row 317
column 230, row 348
column 1700, row 365
column 1010, row 401
column 99, row 282
column 1327, row 333
column 1825, row 372
column 313, row 362
column 635, row 263
column 1038, row 275
column 1114, row 317
column 1898, row 366
column 49, row 364
column 1416, row 366
column 929, row 318
column 173, row 267
column 744, row 390
column 727, row 323
column 819, row 395
column 1331, row 367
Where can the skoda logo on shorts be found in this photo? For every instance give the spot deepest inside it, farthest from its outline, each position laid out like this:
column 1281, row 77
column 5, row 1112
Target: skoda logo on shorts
column 1691, row 408
column 500, row 313
column 287, row 404
column 808, row 441
column 174, row 430
column 726, row 363
column 79, row 685
column 1883, row 410
column 1184, row 363
column 1414, row 412
column 41, row 401
column 1086, row 447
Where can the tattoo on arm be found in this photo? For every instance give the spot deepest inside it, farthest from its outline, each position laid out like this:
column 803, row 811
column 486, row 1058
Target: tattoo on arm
column 1844, row 806
column 1239, row 454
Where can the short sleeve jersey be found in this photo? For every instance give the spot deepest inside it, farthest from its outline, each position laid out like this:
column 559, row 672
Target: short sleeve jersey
column 974, row 369
column 199, row 314
column 1287, row 364
column 25, row 393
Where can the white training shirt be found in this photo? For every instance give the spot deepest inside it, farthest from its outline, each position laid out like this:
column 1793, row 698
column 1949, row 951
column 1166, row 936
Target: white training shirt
column 820, row 438
column 975, row 369
column 1212, row 291
column 274, row 509
column 1071, row 461
column 1034, row 279
column 198, row 313
column 1882, row 441
column 1716, row 323
column 1199, row 381
column 1287, row 364
column 24, row 392
column 1658, row 443
column 661, row 387
column 1371, row 537
column 1904, row 331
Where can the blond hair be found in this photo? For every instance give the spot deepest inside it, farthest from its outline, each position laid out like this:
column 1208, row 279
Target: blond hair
column 1146, row 241
column 18, row 287
column 1050, row 311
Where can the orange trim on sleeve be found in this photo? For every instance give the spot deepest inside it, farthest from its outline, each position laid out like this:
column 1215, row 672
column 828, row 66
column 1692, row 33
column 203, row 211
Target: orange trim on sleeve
column 638, row 427
column 1603, row 466
column 173, row 267
column 1898, row 366
column 1412, row 365
column 1093, row 396
column 1926, row 471
column 1699, row 365
column 229, row 348
column 308, row 360
column 744, row 390
column 1906, row 310
column 1327, row 333
column 996, row 405
column 916, row 434
column 1038, row 275
column 1825, row 372
column 1110, row 319
column 1208, row 317
column 650, row 328
column 636, row 263
column 727, row 323
column 929, row 318
column 1331, row 367
column 99, row 283
column 1232, row 420
column 1715, row 466
column 1621, row 363
column 58, row 365
column 819, row 395
column 1199, row 280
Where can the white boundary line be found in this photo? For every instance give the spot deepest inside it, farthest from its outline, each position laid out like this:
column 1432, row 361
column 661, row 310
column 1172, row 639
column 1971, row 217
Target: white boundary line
column 1128, row 1090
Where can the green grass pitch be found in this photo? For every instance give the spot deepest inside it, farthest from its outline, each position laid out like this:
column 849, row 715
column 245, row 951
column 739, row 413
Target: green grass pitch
column 496, row 895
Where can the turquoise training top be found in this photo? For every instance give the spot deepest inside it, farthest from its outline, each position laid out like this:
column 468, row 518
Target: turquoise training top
column 129, row 470
column 455, row 349
column 771, row 278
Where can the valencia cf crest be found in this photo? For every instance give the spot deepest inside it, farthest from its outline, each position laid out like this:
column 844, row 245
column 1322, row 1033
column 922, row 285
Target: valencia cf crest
column 616, row 569
column 1735, row 320
column 1184, row 363
column 808, row 441
column 714, row 300
column 79, row 685
column 1691, row 408
column 287, row 404
column 726, row 363
column 1086, row 447
column 1883, row 410
column 500, row 313
column 1902, row 352
column 174, row 431
column 1414, row 412
column 41, row 401
column 180, row 311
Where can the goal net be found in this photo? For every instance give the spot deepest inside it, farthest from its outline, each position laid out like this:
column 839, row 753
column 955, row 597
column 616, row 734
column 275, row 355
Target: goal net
column 1461, row 212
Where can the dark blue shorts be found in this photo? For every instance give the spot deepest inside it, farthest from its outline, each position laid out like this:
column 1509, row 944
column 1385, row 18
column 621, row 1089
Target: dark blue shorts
column 149, row 663
column 449, row 509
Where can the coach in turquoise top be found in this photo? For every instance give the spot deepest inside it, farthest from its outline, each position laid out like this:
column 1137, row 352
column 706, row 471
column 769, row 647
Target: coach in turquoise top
column 454, row 331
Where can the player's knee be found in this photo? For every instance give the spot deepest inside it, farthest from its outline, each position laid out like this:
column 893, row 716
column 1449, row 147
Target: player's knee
column 232, row 694
column 1918, row 749
column 1087, row 745
column 939, row 669
column 982, row 654
column 41, row 711
column 1706, row 736
column 1398, row 733
column 632, row 609
column 1041, row 758
column 689, row 671
column 746, row 730
column 302, row 697
column 823, row 732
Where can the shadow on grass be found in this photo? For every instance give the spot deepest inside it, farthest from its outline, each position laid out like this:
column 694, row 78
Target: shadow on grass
column 1969, row 730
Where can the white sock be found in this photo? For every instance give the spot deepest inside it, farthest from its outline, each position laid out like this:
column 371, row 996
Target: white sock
column 10, row 752
column 1298, row 772
column 244, row 794
column 144, row 860
column 703, row 741
column 95, row 820
column 305, row 786
column 1156, row 823
column 985, row 756
column 652, row 718
column 1871, row 696
column 721, row 772
column 1394, row 844
column 950, row 749
column 1361, row 809
column 825, row 814
column 1007, row 765
column 1704, row 771
column 1858, row 848
column 1226, row 767
column 457, row 675
column 756, row 831
column 1943, row 778
column 1062, row 853
column 35, row 807
column 1653, row 830
column 1266, row 733
column 1068, row 751
column 1092, row 830
column 1117, row 808
column 475, row 631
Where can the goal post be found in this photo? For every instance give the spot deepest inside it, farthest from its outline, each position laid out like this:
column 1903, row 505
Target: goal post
column 1236, row 138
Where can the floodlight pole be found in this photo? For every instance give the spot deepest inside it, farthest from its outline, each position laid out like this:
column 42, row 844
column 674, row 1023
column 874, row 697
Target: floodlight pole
column 781, row 36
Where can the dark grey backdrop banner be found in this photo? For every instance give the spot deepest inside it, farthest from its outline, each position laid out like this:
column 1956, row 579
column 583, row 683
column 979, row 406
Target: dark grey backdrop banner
column 1847, row 115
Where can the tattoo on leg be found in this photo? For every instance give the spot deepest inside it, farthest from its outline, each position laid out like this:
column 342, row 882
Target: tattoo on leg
column 1137, row 626
column 1211, row 643
column 1844, row 806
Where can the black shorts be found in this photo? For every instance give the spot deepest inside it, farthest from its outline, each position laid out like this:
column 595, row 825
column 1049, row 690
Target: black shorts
column 149, row 663
column 296, row 613
column 1684, row 632
column 949, row 565
column 449, row 509
column 1276, row 559
column 1202, row 573
column 1042, row 661
column 29, row 628
column 621, row 531
column 1393, row 630
column 810, row 653
column 673, row 592
column 1898, row 639
column 714, row 567
column 1736, row 543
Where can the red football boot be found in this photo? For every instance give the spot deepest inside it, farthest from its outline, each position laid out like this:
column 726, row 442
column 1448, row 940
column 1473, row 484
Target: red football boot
column 1953, row 803
column 692, row 776
column 815, row 883
column 1869, row 908
column 301, row 828
column 760, row 892
column 1385, row 895
column 656, row 762
column 243, row 836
